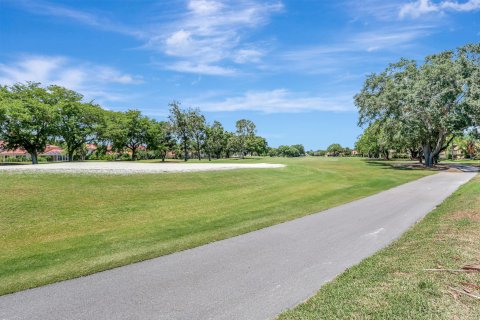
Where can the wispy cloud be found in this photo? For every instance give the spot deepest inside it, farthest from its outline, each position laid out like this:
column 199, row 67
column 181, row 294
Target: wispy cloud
column 203, row 38
column 378, row 9
column 354, row 48
column 200, row 68
column 91, row 79
column 278, row 101
column 388, row 38
column 419, row 8
column 212, row 32
column 87, row 18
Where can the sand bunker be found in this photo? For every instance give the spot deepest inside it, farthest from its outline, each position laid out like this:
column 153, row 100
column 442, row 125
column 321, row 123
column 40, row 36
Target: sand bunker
column 132, row 167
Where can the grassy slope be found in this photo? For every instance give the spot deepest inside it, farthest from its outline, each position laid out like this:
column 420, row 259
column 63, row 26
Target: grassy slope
column 392, row 284
column 57, row 226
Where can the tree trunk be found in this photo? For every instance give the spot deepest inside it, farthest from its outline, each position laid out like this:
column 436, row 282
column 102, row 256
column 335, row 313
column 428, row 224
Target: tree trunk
column 414, row 154
column 70, row 155
column 386, row 155
column 185, row 154
column 34, row 156
column 428, row 155
column 209, row 157
column 134, row 154
column 431, row 156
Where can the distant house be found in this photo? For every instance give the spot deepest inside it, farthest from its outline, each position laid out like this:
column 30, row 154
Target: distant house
column 454, row 152
column 51, row 153
column 91, row 148
column 54, row 153
column 11, row 154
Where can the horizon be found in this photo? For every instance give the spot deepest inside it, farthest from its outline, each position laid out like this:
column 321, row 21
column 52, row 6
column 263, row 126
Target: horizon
column 292, row 67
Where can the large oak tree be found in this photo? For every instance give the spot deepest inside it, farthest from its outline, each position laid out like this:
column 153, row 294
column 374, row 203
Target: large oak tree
column 77, row 122
column 27, row 118
column 436, row 100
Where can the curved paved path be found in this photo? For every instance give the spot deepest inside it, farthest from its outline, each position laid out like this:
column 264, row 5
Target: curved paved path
column 252, row 276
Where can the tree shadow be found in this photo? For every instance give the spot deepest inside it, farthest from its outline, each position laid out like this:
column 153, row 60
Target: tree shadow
column 389, row 164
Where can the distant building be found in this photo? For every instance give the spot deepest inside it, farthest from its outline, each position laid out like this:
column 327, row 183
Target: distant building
column 54, row 153
column 51, row 153
column 453, row 152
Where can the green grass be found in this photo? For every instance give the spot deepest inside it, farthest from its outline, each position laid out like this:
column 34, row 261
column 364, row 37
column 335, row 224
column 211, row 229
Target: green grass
column 393, row 284
column 59, row 226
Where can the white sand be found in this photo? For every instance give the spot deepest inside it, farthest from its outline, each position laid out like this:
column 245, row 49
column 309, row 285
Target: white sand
column 132, row 167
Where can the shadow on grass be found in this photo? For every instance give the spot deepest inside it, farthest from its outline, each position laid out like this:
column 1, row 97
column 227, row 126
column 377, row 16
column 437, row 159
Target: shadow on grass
column 392, row 164
column 441, row 166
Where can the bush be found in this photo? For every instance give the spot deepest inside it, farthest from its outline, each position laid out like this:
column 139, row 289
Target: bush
column 401, row 156
column 272, row 152
column 141, row 155
column 288, row 151
column 18, row 159
column 124, row 157
column 107, row 157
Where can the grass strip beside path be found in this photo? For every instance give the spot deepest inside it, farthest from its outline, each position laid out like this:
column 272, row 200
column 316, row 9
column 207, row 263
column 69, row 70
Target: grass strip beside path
column 393, row 283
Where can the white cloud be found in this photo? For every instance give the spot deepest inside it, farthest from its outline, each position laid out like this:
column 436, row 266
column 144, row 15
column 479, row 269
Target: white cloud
column 204, row 7
column 378, row 9
column 421, row 7
column 179, row 42
column 388, row 38
column 205, row 37
column 212, row 33
column 353, row 49
column 107, row 74
column 248, row 55
column 89, row 79
column 278, row 101
column 87, row 18
column 367, row 41
column 207, row 69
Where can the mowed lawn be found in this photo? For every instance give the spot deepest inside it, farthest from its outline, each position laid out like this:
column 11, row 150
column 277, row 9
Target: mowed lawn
column 393, row 284
column 59, row 226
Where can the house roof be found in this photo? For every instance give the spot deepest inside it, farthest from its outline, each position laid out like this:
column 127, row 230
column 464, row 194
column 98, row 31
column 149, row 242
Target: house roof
column 50, row 150
column 16, row 152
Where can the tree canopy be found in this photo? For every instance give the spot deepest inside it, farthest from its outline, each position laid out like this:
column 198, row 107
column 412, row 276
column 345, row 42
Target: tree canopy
column 76, row 122
column 429, row 104
column 27, row 118
column 32, row 116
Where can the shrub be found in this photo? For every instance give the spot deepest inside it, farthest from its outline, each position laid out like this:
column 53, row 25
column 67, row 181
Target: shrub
column 124, row 157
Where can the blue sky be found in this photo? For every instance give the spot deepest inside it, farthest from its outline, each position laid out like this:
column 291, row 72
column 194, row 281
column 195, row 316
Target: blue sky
column 291, row 66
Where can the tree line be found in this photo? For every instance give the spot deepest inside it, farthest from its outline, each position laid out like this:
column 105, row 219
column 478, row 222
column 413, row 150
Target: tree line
column 295, row 150
column 32, row 116
column 333, row 150
column 420, row 109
